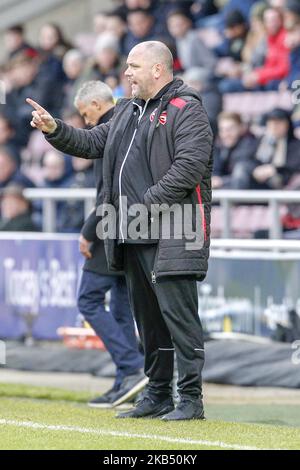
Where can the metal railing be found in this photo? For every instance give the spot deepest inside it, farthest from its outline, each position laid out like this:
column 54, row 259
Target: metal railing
column 226, row 198
column 229, row 198
column 50, row 196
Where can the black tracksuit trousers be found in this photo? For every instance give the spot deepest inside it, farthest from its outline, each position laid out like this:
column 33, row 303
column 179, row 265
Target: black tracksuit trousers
column 166, row 314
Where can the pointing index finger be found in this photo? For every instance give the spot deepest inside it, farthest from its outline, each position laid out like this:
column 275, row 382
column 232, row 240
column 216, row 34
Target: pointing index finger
column 35, row 105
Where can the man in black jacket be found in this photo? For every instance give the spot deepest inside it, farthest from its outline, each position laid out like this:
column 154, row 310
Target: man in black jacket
column 94, row 102
column 157, row 152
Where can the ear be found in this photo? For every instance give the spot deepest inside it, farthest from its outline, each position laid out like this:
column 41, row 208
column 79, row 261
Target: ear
column 96, row 104
column 157, row 70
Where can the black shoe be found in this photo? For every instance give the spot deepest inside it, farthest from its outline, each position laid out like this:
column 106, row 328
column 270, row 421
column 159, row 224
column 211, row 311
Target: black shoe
column 186, row 409
column 104, row 401
column 148, row 408
column 130, row 387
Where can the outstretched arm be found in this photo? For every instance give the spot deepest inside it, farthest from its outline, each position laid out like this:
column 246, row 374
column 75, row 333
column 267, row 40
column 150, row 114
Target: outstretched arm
column 78, row 142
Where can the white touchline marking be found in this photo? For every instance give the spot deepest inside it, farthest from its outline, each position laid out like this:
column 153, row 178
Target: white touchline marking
column 100, row 432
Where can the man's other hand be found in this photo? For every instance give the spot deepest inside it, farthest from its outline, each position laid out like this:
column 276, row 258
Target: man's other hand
column 84, row 247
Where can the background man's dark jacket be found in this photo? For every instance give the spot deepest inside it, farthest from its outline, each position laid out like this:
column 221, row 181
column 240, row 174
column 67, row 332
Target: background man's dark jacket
column 97, row 263
column 179, row 153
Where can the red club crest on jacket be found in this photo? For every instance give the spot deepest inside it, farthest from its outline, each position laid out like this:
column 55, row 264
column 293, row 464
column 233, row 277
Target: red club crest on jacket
column 163, row 118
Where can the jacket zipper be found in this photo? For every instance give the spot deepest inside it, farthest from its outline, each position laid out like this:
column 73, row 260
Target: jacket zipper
column 153, row 273
column 142, row 112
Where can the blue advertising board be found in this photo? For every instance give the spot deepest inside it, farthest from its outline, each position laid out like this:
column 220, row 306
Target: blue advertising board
column 39, row 281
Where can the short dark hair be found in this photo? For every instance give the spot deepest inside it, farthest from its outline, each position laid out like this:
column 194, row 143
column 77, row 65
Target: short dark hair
column 180, row 12
column 144, row 11
column 234, row 18
column 228, row 116
column 17, row 28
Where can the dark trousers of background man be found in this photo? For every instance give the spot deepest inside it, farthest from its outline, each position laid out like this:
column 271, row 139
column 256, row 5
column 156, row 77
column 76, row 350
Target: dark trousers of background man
column 116, row 327
column 166, row 313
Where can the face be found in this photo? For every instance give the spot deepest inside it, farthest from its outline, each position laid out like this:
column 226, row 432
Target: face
column 12, row 206
column 229, row 132
column 12, row 40
column 99, row 23
column 272, row 22
column 140, row 24
column 106, row 59
column 277, row 129
column 5, row 131
column 80, row 164
column 115, row 25
column 73, row 67
column 7, row 166
column 48, row 38
column 178, row 25
column 291, row 20
column 235, row 32
column 54, row 166
column 90, row 112
column 23, row 74
column 141, row 75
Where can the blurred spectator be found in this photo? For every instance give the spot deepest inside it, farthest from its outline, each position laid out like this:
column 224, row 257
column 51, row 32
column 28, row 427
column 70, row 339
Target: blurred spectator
column 225, row 7
column 29, row 78
column 99, row 23
column 276, row 65
column 116, row 25
column 52, row 41
column 16, row 211
column 106, row 60
column 54, row 170
column 140, row 28
column 7, row 137
column 15, row 42
column 73, row 65
column 202, row 10
column 69, row 215
column 278, row 154
column 292, row 25
column 244, row 7
column 236, row 30
column 234, row 151
column 262, row 52
column 72, row 214
column 191, row 50
column 10, row 172
column 254, row 51
column 201, row 79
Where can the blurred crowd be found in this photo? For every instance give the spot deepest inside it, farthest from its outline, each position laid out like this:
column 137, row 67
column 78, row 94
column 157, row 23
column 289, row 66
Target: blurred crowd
column 221, row 47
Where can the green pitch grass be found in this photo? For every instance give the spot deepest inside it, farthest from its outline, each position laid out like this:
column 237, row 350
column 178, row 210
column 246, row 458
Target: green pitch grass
column 43, row 418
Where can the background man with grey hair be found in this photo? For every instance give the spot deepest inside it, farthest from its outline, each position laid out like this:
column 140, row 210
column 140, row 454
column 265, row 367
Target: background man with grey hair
column 94, row 101
column 156, row 149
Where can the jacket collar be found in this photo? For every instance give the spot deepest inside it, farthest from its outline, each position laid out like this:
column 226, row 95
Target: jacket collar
column 106, row 117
